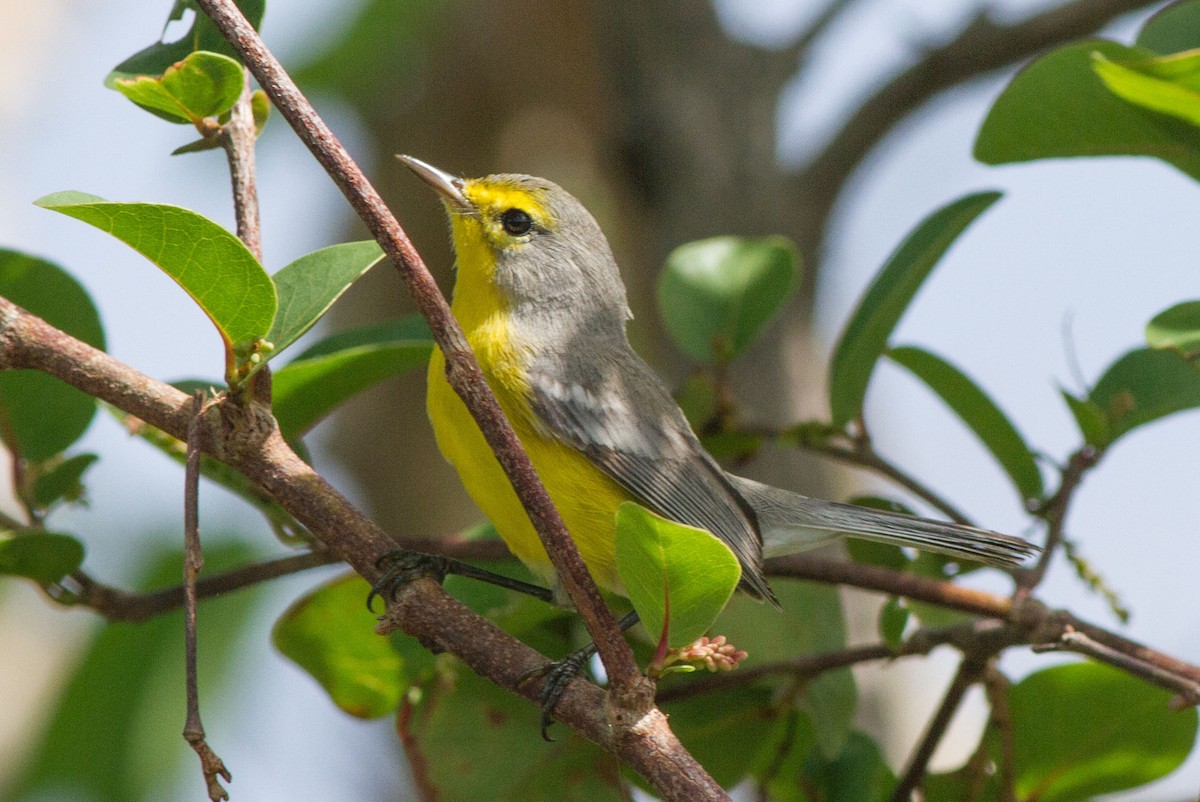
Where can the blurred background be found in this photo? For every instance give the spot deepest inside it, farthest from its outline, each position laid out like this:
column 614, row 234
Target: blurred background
column 671, row 120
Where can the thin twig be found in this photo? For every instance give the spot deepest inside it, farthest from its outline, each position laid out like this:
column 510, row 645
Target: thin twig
column 996, row 686
column 116, row 604
column 237, row 139
column 1078, row 642
column 249, row 442
column 630, row 689
column 1054, row 513
column 969, row 672
column 1034, row 622
column 193, row 561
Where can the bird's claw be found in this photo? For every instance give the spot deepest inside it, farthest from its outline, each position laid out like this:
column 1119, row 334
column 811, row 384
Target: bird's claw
column 401, row 567
column 558, row 675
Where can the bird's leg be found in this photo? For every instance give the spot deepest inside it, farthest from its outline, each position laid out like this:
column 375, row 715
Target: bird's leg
column 559, row 673
column 403, row 566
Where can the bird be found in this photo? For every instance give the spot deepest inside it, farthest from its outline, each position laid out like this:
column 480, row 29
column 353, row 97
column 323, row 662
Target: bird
column 541, row 301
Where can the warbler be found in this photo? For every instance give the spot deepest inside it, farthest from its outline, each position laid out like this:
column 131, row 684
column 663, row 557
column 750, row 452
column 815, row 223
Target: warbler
column 541, row 301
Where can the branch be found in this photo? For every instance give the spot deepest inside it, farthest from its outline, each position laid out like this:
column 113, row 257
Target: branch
column 969, row 672
column 1054, row 513
column 1073, row 641
column 193, row 562
column 982, row 46
column 121, row 605
column 630, row 689
column 237, row 139
column 245, row 437
column 1030, row 621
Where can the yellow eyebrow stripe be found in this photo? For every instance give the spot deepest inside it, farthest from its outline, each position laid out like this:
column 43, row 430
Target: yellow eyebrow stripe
column 497, row 197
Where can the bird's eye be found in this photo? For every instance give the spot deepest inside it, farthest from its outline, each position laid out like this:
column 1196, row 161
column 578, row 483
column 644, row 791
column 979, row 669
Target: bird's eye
column 516, row 222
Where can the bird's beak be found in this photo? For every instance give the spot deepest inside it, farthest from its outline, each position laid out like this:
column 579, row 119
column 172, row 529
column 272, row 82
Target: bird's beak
column 448, row 186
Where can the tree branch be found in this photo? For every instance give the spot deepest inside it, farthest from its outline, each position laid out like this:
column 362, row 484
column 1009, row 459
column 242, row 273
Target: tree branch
column 1032, row 622
column 629, row 688
column 237, row 139
column 981, row 46
column 969, row 672
column 245, row 437
column 122, row 605
column 193, row 562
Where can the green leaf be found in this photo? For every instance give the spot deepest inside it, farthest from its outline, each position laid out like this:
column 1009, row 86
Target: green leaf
column 1143, row 386
column 130, row 677
column 1138, row 82
column 44, row 557
column 311, row 386
column 202, row 85
column 866, row 334
column 330, row 633
column 208, row 262
column 203, row 35
column 716, row 295
column 1172, row 29
column 708, row 726
column 1090, row 419
column 1085, row 729
column 309, row 286
column 45, row 415
column 1058, row 107
column 1177, row 328
column 62, row 482
column 678, row 577
column 973, row 406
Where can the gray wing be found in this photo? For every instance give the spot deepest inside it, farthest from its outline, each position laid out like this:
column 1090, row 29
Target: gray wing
column 620, row 416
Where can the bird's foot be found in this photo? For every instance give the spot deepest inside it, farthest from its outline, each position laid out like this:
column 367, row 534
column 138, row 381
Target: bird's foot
column 403, row 566
column 557, row 676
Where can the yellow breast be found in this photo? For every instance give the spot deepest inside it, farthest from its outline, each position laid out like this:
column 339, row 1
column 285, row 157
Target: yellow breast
column 586, row 498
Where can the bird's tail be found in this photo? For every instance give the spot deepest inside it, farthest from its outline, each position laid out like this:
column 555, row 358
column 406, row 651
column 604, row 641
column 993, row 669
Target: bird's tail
column 791, row 523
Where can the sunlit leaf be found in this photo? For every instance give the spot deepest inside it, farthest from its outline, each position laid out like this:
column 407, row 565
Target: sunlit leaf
column 867, row 332
column 208, row 262
column 1151, row 84
column 678, row 577
column 1177, row 328
column 202, row 85
column 1058, row 107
